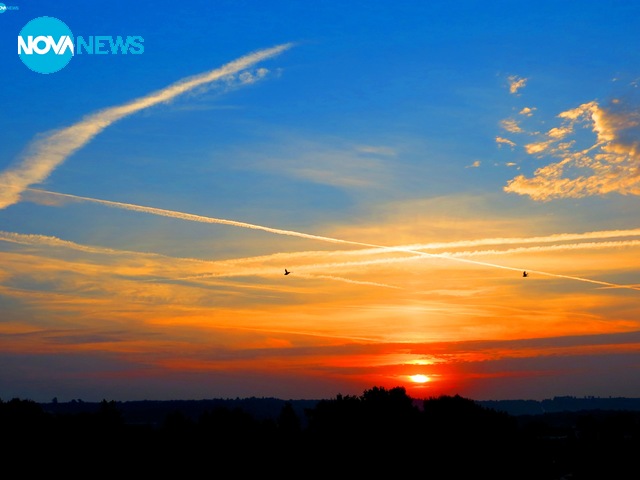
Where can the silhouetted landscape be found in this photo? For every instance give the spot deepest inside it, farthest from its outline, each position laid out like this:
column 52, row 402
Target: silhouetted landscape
column 379, row 432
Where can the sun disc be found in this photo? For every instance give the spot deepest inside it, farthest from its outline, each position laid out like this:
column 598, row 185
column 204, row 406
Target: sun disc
column 419, row 378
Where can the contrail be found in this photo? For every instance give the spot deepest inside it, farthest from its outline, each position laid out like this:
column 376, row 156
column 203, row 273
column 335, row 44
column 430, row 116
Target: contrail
column 44, row 155
column 451, row 255
column 56, row 242
column 293, row 233
column 546, row 248
column 558, row 237
column 260, row 271
column 199, row 218
column 32, row 239
column 349, row 280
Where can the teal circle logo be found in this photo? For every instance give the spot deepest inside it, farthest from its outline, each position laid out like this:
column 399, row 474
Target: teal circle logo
column 3, row 8
column 45, row 45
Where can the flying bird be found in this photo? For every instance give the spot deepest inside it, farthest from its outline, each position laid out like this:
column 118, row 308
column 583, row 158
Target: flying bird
column 525, row 274
column 286, row 272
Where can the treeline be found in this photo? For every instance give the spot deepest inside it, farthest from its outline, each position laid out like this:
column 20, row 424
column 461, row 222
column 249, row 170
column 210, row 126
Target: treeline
column 379, row 433
column 562, row 404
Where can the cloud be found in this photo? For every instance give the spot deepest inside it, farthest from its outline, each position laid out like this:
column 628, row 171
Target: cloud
column 377, row 150
column 607, row 164
column 475, row 164
column 547, row 248
column 329, row 161
column 349, row 280
column 293, row 233
column 516, row 83
column 247, row 77
column 504, row 141
column 55, row 242
column 557, row 237
column 152, row 267
column 537, row 147
column 511, row 126
column 559, row 133
column 527, row 111
column 45, row 154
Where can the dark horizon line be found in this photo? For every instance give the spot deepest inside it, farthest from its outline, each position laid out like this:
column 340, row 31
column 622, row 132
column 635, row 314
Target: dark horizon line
column 255, row 397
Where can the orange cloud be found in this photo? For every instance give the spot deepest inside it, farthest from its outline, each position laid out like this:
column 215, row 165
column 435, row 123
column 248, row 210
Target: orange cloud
column 610, row 164
column 516, row 83
column 511, row 126
column 504, row 141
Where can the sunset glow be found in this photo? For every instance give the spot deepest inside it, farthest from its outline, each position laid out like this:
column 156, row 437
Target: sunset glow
column 418, row 378
column 404, row 174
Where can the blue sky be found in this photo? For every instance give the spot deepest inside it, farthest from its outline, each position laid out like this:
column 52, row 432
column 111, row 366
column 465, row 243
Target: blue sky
column 504, row 134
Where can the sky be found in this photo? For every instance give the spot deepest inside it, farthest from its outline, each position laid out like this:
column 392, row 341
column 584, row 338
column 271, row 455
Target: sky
column 405, row 161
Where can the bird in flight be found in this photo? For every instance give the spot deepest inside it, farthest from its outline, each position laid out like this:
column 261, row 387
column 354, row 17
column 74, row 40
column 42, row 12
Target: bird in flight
column 286, row 272
column 525, row 274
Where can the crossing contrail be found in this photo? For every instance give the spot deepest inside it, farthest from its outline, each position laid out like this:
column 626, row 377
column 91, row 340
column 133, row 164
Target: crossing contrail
column 546, row 248
column 31, row 239
column 45, row 154
column 558, row 237
column 293, row 233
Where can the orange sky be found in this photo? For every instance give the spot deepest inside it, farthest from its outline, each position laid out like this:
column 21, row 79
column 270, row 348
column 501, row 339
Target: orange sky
column 405, row 161
column 345, row 319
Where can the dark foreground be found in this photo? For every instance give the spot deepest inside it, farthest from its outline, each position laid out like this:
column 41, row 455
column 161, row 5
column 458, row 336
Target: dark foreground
column 380, row 433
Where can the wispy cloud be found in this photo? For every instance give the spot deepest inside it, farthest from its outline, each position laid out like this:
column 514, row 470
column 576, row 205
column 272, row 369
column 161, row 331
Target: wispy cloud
column 546, row 248
column 516, row 83
column 537, row 147
column 55, row 242
column 349, row 280
column 174, row 268
column 277, row 231
column 504, row 141
column 510, row 125
column 45, row 154
column 354, row 265
column 377, row 150
column 558, row 237
column 331, row 162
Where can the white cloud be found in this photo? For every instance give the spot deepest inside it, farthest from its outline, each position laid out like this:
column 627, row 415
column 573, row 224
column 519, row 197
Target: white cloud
column 327, row 161
column 377, row 150
column 47, row 153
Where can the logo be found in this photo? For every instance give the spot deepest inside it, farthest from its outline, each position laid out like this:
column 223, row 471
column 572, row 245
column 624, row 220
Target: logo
column 6, row 8
column 45, row 45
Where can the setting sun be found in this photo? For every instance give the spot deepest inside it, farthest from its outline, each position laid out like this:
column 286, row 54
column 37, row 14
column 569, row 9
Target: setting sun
column 289, row 219
column 419, row 378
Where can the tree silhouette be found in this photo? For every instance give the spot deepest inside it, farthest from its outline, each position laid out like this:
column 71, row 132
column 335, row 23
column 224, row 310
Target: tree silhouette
column 288, row 422
column 379, row 433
